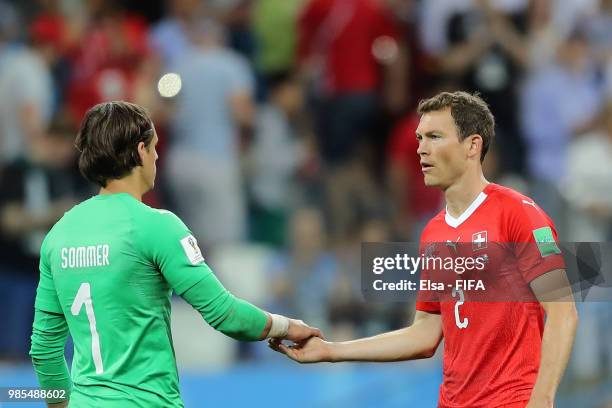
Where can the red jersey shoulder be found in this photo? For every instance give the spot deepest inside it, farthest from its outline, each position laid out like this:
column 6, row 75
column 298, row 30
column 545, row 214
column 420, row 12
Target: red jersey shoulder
column 508, row 197
column 516, row 208
column 512, row 199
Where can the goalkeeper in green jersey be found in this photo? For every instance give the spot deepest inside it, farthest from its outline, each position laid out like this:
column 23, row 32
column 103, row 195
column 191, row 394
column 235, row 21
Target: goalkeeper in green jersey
column 107, row 270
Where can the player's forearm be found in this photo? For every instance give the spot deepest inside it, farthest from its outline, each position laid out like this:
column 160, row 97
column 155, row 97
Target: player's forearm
column 557, row 341
column 244, row 321
column 49, row 334
column 231, row 316
column 415, row 342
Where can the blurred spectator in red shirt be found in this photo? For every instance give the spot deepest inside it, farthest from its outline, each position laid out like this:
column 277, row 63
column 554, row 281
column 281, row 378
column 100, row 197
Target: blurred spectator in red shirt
column 349, row 51
column 344, row 35
column 414, row 203
column 341, row 46
column 107, row 60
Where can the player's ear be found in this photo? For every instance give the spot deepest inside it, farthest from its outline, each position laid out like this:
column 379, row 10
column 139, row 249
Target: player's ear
column 475, row 145
column 142, row 150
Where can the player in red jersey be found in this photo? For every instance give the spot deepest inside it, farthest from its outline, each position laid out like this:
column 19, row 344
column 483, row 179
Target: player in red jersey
column 496, row 354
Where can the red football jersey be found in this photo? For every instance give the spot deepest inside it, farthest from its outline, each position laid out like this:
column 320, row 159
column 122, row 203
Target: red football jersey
column 492, row 349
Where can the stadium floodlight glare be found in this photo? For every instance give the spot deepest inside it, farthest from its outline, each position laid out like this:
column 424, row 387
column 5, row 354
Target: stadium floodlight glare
column 169, row 85
column 385, row 49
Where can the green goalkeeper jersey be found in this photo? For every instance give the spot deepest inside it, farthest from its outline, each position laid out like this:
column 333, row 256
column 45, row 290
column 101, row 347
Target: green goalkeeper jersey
column 108, row 267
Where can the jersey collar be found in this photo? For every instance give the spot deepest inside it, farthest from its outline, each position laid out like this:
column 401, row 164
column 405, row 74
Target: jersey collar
column 455, row 222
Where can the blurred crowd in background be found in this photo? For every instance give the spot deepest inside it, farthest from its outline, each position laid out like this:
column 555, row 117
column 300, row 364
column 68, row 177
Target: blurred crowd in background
column 287, row 135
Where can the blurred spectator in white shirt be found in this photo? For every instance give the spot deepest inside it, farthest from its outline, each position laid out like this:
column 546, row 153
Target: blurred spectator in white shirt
column 26, row 92
column 169, row 37
column 588, row 186
column 557, row 102
column 214, row 106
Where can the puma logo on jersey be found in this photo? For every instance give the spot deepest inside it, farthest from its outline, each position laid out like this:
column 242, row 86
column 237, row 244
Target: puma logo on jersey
column 452, row 244
column 530, row 203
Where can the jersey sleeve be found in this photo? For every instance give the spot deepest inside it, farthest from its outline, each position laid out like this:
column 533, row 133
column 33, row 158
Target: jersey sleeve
column 172, row 248
column 49, row 334
column 226, row 313
column 426, row 302
column 46, row 295
column 168, row 244
column 534, row 238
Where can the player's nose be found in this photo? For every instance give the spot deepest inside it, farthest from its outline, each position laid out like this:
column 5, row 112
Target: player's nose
column 422, row 149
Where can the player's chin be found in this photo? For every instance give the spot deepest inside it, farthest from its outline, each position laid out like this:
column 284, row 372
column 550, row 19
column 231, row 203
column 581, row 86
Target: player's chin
column 430, row 181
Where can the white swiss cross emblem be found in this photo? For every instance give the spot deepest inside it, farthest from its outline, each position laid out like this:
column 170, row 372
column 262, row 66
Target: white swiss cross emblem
column 479, row 240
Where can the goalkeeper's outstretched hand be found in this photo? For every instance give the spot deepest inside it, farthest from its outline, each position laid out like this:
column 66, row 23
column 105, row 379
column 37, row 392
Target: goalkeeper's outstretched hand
column 300, row 331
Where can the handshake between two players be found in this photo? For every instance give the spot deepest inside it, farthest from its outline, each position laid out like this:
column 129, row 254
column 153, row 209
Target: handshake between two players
column 118, row 310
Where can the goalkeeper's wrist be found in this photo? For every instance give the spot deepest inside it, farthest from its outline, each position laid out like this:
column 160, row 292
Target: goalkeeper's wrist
column 279, row 327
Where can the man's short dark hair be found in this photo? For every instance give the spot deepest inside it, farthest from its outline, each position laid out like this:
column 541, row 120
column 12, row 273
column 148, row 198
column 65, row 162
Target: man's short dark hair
column 470, row 112
column 108, row 140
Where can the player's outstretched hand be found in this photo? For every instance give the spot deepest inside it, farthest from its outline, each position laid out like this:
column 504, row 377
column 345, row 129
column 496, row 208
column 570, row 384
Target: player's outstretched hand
column 299, row 331
column 312, row 350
